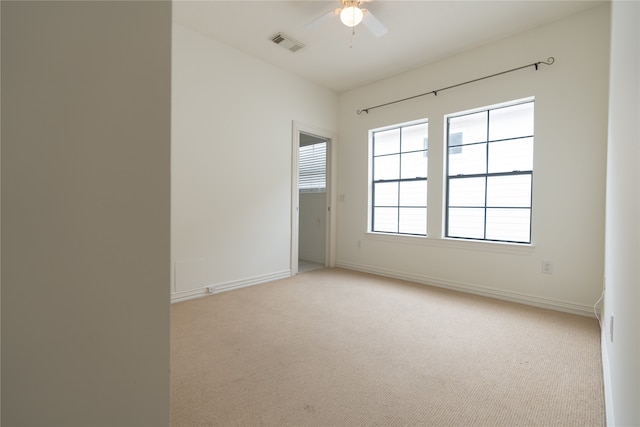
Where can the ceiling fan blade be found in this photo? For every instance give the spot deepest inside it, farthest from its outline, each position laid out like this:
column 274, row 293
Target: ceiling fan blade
column 373, row 25
column 321, row 19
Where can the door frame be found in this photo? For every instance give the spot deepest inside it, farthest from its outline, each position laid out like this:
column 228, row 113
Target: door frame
column 330, row 226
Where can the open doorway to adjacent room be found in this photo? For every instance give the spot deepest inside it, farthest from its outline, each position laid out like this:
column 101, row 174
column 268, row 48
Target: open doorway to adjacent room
column 311, row 241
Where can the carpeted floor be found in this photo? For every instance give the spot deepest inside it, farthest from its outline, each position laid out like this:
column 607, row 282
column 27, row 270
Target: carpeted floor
column 333, row 347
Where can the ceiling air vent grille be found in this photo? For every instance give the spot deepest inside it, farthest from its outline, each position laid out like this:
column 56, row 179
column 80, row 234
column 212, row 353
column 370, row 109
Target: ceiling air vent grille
column 287, row 42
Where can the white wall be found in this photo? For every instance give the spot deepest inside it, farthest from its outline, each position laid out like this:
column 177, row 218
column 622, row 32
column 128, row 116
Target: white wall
column 85, row 213
column 569, row 167
column 621, row 352
column 313, row 226
column 231, row 163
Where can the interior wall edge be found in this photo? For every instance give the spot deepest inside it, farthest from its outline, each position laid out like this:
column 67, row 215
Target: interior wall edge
column 606, row 380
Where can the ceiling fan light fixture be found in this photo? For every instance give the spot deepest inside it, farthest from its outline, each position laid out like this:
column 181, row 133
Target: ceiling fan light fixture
column 351, row 16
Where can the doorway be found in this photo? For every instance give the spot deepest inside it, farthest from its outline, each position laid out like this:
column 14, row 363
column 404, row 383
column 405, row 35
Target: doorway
column 313, row 222
column 312, row 202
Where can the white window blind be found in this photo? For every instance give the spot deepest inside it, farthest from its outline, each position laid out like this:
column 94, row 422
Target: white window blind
column 313, row 167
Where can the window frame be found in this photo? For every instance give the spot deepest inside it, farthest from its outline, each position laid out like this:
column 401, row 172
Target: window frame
column 373, row 182
column 487, row 175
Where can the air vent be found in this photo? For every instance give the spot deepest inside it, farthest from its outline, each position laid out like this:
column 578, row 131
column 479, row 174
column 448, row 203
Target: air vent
column 287, row 42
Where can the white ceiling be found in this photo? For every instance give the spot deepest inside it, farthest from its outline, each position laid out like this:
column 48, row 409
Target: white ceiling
column 420, row 32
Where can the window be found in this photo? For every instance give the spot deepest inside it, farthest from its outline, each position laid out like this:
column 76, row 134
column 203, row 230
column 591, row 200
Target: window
column 489, row 174
column 312, row 168
column 399, row 179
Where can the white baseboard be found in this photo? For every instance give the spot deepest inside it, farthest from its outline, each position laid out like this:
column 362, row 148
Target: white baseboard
column 606, row 379
column 228, row 286
column 564, row 306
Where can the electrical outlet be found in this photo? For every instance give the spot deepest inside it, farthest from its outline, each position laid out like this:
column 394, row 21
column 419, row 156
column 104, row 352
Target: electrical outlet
column 547, row 267
column 211, row 289
column 358, row 244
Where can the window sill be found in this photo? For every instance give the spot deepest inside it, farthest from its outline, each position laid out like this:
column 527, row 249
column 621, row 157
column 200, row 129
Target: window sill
column 471, row 245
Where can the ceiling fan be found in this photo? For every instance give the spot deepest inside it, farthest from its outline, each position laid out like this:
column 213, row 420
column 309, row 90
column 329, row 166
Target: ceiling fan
column 351, row 15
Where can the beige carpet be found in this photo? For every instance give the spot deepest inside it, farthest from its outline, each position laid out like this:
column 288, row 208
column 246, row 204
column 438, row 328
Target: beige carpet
column 338, row 348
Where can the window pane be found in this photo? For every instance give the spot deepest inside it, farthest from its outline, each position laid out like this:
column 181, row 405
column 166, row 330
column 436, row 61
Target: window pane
column 467, row 223
column 466, row 192
column 386, row 167
column 385, row 220
column 509, row 191
column 386, row 142
column 455, row 143
column 511, row 155
column 473, row 127
column 413, row 137
column 413, row 193
column 511, row 122
column 512, row 225
column 414, row 165
column 468, row 160
column 385, row 194
column 413, row 221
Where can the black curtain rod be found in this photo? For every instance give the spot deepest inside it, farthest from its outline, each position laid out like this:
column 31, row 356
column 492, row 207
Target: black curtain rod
column 549, row 61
